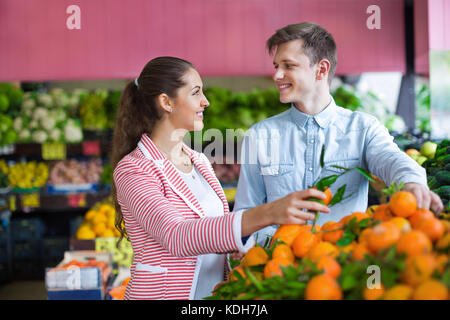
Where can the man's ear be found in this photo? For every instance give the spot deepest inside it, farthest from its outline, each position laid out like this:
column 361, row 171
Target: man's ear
column 323, row 67
column 165, row 102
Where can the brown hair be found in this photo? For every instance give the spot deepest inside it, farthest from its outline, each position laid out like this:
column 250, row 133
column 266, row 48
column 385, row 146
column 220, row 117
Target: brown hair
column 138, row 111
column 318, row 43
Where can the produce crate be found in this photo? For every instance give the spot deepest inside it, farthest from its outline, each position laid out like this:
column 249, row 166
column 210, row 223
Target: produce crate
column 27, row 229
column 71, row 188
column 75, row 283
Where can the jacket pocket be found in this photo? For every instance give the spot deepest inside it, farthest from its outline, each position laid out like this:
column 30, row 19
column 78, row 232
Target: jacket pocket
column 150, row 269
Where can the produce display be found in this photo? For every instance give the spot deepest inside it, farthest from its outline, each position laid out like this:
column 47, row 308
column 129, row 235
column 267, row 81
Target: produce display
column 227, row 173
column 10, row 101
column 25, row 175
column 49, row 117
column 438, row 172
column 99, row 221
column 76, row 172
column 98, row 110
column 408, row 246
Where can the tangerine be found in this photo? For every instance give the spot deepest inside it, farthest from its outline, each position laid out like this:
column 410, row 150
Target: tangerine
column 432, row 227
column 322, row 249
column 420, row 214
column 287, row 233
column 431, row 290
column 443, row 243
column 373, row 293
column 255, row 256
column 382, row 236
column 413, row 242
column 359, row 251
column 382, row 213
column 332, row 231
column 283, row 251
column 303, row 243
column 418, row 269
column 329, row 266
column 273, row 267
column 357, row 215
column 323, row 287
column 403, row 204
column 398, row 292
column 402, row 224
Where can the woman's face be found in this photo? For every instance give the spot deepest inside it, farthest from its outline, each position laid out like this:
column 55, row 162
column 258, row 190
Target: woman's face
column 190, row 103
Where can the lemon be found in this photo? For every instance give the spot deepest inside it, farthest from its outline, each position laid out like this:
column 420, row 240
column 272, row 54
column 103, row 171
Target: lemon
column 108, row 233
column 85, row 233
column 99, row 228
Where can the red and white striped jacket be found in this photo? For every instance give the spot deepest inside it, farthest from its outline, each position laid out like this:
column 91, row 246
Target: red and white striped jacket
column 166, row 225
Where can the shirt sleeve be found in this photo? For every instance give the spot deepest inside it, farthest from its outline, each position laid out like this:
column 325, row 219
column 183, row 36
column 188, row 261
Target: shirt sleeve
column 141, row 195
column 251, row 190
column 385, row 159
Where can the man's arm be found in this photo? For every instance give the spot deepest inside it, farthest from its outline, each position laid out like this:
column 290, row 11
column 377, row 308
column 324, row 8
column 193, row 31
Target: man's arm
column 387, row 161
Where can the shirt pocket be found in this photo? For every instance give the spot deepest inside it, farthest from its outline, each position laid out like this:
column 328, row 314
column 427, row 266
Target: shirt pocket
column 278, row 179
column 352, row 179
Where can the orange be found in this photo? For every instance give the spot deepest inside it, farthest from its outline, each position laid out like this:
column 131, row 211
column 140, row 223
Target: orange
column 363, row 235
column 90, row 215
column 402, row 224
column 382, row 213
column 317, row 230
column 239, row 270
column 431, row 290
column 273, row 267
column 398, row 292
column 85, row 233
column 444, row 242
column 329, row 266
column 125, row 281
column 432, row 227
column 323, row 287
column 283, row 251
column 418, row 269
column 441, row 261
column 359, row 251
column 287, row 233
column 403, row 204
column 446, row 225
column 374, row 293
column 358, row 215
column 332, row 231
column 99, row 218
column 303, row 243
column 322, row 249
column 413, row 242
column 255, row 256
column 348, row 248
column 329, row 195
column 107, row 233
column 420, row 214
column 382, row 236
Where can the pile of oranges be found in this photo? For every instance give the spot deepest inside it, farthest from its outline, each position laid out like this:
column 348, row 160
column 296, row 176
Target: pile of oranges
column 99, row 221
column 419, row 239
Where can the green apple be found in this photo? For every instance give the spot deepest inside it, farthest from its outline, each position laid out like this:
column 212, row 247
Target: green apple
column 421, row 159
column 428, row 149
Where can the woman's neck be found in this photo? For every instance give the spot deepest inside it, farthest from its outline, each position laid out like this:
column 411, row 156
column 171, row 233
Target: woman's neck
column 168, row 140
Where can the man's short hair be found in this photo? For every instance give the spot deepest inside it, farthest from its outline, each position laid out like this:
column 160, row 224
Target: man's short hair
column 318, row 43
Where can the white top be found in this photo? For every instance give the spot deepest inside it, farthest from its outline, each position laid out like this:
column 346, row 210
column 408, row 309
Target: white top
column 212, row 265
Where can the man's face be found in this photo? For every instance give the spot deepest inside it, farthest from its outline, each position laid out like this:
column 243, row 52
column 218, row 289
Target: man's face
column 294, row 76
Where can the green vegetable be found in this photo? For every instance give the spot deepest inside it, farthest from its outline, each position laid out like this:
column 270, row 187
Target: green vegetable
column 443, row 192
column 443, row 177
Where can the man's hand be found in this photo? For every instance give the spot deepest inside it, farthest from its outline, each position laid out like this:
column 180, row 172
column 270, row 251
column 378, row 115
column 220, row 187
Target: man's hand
column 425, row 198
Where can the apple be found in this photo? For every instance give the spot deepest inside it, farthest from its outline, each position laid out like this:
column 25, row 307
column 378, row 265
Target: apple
column 412, row 151
column 428, row 149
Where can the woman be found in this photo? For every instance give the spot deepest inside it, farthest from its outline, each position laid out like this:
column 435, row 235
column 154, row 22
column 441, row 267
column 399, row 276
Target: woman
column 174, row 210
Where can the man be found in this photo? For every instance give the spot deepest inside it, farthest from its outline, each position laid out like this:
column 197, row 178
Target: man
column 281, row 154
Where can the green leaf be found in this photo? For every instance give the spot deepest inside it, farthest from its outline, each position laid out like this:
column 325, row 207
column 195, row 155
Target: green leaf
column 322, row 156
column 338, row 196
column 365, row 173
column 326, row 182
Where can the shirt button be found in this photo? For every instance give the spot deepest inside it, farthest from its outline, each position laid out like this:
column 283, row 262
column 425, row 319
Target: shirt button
column 311, row 141
column 310, row 169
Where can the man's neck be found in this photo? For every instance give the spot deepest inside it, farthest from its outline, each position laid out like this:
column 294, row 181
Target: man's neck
column 315, row 104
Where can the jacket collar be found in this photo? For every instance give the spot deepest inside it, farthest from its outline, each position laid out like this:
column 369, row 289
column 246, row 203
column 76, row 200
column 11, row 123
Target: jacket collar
column 152, row 153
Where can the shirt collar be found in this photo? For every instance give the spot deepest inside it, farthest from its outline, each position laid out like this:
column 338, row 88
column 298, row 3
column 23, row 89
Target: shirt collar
column 323, row 118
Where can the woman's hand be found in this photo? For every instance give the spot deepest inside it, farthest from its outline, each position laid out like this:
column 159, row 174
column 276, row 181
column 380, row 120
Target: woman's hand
column 291, row 209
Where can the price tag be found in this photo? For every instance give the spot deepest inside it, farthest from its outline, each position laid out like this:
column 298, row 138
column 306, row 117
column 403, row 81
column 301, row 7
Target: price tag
column 123, row 255
column 91, row 148
column 76, row 200
column 54, row 151
column 31, row 200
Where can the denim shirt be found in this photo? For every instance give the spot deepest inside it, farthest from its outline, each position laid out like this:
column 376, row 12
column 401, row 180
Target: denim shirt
column 281, row 154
